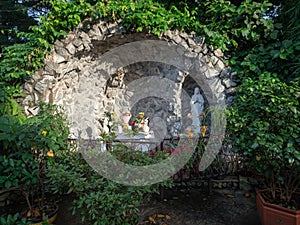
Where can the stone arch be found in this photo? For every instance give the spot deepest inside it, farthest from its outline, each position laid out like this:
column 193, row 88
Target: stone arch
column 78, row 65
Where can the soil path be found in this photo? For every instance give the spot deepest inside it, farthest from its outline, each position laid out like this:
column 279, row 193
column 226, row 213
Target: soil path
column 186, row 207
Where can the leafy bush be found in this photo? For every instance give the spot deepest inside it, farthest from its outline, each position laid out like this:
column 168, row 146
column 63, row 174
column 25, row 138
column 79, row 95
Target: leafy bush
column 264, row 127
column 27, row 146
column 11, row 220
column 48, row 131
column 98, row 200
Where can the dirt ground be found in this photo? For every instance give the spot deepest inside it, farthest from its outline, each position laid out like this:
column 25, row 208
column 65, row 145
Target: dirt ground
column 187, row 206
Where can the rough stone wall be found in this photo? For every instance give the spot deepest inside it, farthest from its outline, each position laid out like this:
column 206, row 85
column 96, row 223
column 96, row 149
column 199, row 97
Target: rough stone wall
column 87, row 82
column 160, row 111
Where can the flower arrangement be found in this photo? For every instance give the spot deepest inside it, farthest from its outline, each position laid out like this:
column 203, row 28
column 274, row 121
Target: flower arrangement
column 140, row 123
column 126, row 123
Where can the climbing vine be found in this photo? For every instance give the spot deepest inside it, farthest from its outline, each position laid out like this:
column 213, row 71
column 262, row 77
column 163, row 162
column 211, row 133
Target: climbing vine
column 223, row 23
column 235, row 28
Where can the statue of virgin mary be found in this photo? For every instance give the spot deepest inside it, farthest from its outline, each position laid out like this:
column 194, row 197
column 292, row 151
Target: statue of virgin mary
column 197, row 104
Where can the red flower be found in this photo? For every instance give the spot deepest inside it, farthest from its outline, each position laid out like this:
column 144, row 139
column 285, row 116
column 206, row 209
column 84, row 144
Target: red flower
column 152, row 154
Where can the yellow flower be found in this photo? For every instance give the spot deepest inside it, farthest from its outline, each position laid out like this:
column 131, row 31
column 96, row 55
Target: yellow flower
column 141, row 115
column 189, row 132
column 44, row 132
column 203, row 129
column 50, row 153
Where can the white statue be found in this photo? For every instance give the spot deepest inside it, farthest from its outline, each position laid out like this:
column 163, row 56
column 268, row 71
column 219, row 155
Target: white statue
column 146, row 127
column 197, row 104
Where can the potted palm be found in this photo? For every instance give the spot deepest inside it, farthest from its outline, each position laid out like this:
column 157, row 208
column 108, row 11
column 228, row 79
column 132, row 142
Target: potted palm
column 28, row 147
column 263, row 125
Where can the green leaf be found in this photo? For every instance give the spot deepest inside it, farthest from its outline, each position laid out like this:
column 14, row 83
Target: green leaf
column 254, row 145
column 283, row 56
column 7, row 184
column 293, row 109
column 297, row 155
column 245, row 32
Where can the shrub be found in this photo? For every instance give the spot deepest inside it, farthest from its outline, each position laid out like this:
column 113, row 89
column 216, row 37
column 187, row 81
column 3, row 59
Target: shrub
column 26, row 148
column 98, row 200
column 264, row 127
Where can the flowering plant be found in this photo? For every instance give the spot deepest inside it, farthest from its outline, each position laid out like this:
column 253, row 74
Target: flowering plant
column 138, row 123
column 31, row 146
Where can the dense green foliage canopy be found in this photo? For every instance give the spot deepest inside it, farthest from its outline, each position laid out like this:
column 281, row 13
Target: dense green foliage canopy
column 17, row 15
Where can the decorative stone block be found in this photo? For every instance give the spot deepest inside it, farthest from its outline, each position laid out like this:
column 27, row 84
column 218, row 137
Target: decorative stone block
column 209, row 74
column 191, row 43
column 227, row 83
column 220, row 65
column 225, row 73
column 63, row 52
column 59, row 44
column 33, row 111
column 69, row 38
column 230, row 91
column 71, row 48
column 77, row 42
column 177, row 39
column 204, row 49
column 197, row 49
column 28, row 100
column 85, row 37
column 214, row 60
column 113, row 28
column 103, row 28
column 56, row 58
column 218, row 53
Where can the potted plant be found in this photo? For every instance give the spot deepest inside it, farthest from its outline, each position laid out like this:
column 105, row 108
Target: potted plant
column 263, row 125
column 28, row 146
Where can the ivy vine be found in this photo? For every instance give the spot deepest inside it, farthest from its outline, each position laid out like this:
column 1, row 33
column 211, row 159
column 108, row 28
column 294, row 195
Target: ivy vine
column 234, row 28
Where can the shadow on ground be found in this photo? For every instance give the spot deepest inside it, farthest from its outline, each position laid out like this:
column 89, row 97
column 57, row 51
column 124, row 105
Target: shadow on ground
column 186, row 207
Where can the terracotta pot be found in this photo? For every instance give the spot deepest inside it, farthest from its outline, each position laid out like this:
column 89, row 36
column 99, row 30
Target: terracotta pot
column 51, row 217
column 271, row 214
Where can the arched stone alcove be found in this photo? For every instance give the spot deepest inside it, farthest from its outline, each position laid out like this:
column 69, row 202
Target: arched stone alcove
column 101, row 67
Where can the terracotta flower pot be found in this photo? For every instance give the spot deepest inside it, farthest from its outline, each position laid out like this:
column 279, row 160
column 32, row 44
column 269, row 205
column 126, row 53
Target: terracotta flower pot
column 50, row 216
column 271, row 214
